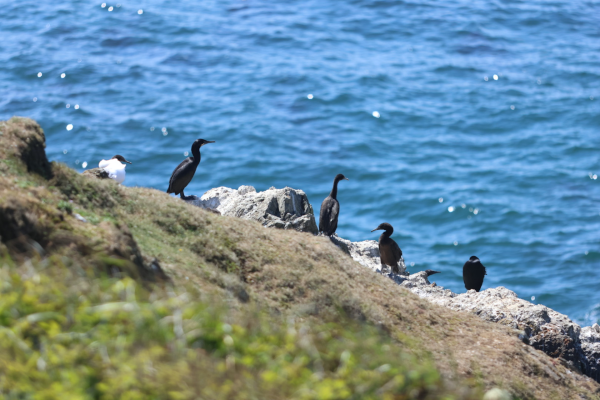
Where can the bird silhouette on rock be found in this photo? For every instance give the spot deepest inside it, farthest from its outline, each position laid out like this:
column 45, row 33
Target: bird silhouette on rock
column 183, row 174
column 330, row 209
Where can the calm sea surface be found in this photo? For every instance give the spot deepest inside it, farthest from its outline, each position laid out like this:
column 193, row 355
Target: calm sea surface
column 473, row 127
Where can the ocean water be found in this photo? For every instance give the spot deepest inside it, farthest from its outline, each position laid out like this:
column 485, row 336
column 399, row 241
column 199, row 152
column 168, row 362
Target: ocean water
column 473, row 127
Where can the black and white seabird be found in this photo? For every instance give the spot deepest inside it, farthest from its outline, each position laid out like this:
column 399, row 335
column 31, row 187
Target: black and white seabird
column 389, row 251
column 114, row 168
column 183, row 174
column 330, row 209
column 473, row 273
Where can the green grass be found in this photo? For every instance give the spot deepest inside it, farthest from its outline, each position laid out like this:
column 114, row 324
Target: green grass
column 67, row 334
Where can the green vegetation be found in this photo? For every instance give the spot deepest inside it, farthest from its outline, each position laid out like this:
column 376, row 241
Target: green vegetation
column 154, row 299
column 66, row 334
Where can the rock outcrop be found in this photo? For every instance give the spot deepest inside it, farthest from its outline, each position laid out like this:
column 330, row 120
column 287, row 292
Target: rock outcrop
column 541, row 327
column 285, row 208
column 590, row 346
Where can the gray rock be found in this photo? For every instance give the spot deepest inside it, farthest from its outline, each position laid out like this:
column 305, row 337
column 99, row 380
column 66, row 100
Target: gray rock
column 419, row 284
column 590, row 346
column 543, row 328
column 285, row 208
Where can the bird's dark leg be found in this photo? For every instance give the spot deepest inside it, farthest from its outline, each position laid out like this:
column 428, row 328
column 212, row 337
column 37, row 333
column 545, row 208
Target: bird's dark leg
column 184, row 197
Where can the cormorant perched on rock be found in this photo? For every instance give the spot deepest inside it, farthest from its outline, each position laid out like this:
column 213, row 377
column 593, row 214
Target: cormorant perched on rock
column 114, row 168
column 330, row 209
column 473, row 273
column 183, row 174
column 389, row 251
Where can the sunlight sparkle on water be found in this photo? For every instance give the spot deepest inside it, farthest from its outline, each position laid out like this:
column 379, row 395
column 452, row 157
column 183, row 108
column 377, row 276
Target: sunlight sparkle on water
column 140, row 12
column 495, row 77
column 450, row 209
column 69, row 127
column 68, row 106
column 512, row 107
column 34, row 99
column 532, row 298
column 376, row 114
column 62, row 76
column 185, row 153
column 77, row 106
column 39, row 74
column 84, row 164
column 463, row 205
column 485, row 78
column 456, row 243
column 476, row 211
column 151, row 129
column 65, row 151
column 110, row 8
column 103, row 5
column 310, row 96
column 441, row 199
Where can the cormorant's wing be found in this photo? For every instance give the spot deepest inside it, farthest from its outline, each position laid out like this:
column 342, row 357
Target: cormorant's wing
column 335, row 211
column 396, row 249
column 174, row 174
column 323, row 214
column 482, row 266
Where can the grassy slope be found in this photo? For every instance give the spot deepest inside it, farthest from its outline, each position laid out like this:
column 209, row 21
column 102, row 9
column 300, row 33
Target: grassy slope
column 334, row 329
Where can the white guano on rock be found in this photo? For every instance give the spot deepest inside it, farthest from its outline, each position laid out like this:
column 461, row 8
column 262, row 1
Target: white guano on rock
column 285, row 208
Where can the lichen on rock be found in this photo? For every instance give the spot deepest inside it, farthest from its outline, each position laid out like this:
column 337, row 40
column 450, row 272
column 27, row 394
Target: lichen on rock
column 285, row 208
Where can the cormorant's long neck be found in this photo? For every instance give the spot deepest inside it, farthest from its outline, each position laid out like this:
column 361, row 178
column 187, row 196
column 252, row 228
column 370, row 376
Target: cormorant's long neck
column 386, row 234
column 196, row 154
column 333, row 193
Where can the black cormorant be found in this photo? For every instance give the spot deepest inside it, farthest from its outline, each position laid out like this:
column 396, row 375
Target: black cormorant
column 473, row 273
column 183, row 174
column 389, row 251
column 330, row 209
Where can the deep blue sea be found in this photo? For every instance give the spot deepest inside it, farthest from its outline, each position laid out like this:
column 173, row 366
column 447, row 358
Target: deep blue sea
column 473, row 127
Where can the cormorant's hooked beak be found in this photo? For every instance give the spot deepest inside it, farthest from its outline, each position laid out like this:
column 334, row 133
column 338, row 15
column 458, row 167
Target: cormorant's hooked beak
column 208, row 141
column 431, row 272
column 124, row 160
column 376, row 229
column 346, row 179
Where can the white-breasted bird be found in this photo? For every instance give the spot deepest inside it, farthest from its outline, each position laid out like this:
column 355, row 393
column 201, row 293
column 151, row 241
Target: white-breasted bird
column 114, row 168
